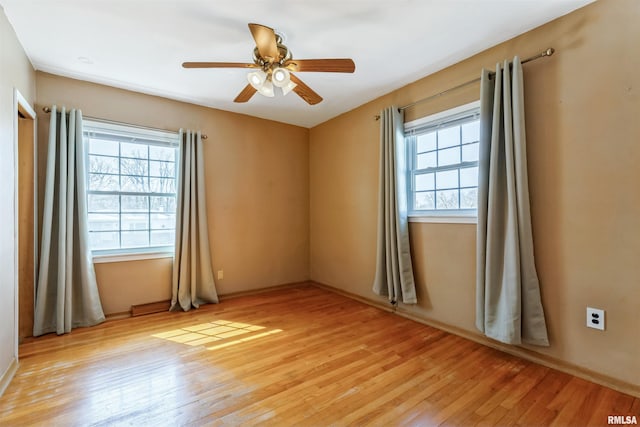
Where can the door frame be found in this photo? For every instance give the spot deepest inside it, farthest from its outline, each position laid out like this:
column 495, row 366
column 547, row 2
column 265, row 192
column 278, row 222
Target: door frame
column 22, row 106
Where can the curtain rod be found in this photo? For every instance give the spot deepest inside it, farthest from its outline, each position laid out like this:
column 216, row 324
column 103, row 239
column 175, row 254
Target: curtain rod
column 544, row 53
column 48, row 110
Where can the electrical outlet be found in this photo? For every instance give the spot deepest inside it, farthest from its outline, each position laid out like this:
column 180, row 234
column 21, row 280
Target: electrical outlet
column 595, row 318
column 220, row 274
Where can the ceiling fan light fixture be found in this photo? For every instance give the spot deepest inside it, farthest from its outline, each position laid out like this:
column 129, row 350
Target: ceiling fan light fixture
column 280, row 77
column 273, row 64
column 288, row 88
column 257, row 79
column 266, row 89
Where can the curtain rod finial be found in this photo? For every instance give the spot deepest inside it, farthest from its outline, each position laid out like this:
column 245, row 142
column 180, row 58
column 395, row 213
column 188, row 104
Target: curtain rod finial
column 46, row 109
column 550, row 51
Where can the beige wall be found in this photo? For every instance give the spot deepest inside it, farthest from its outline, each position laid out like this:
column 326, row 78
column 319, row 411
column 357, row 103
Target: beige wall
column 257, row 191
column 128, row 283
column 583, row 129
column 16, row 72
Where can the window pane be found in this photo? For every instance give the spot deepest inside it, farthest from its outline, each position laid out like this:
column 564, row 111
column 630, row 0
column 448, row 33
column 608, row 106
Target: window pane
column 469, row 177
column 134, row 167
column 138, row 151
column 101, row 146
column 133, row 239
column 427, row 160
column 123, row 173
column 450, row 156
column 99, row 182
column 163, row 204
column 449, row 151
column 102, row 164
column 135, row 222
column 104, row 240
column 469, row 198
column 103, row 222
column 135, row 203
column 449, row 137
column 424, row 200
column 447, row 199
column 135, row 184
column 447, row 179
column 162, row 238
column 162, row 153
column 426, row 142
column 163, row 185
column 163, row 221
column 470, row 132
column 424, row 182
column 162, row 169
column 470, row 152
column 100, row 203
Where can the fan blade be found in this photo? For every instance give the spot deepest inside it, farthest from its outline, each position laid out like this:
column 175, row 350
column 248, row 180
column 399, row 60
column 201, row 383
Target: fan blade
column 304, row 91
column 265, row 39
column 246, row 94
column 337, row 65
column 218, row 65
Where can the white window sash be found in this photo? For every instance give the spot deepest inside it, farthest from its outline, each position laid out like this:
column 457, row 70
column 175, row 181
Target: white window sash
column 137, row 135
column 452, row 117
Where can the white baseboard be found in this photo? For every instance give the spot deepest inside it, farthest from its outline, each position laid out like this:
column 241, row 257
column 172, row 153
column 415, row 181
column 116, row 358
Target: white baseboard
column 6, row 378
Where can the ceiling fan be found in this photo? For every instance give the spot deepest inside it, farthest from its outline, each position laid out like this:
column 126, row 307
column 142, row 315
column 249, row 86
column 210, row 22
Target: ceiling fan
column 274, row 63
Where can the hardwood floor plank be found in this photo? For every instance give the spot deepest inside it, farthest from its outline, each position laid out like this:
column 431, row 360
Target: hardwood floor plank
column 535, row 400
column 299, row 356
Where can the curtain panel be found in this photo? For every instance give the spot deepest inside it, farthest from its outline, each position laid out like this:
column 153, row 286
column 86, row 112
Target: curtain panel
column 67, row 292
column 192, row 282
column 508, row 303
column 394, row 272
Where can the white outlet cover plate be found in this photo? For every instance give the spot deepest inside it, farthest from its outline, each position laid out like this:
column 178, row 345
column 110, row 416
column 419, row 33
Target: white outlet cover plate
column 598, row 314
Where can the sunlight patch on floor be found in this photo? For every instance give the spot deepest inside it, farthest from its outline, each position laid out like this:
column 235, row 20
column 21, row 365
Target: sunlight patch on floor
column 219, row 330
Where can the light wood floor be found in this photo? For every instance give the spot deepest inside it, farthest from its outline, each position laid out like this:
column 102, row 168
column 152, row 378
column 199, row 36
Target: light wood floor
column 301, row 356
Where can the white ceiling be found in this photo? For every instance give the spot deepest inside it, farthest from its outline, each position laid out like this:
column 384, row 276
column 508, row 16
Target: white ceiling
column 141, row 44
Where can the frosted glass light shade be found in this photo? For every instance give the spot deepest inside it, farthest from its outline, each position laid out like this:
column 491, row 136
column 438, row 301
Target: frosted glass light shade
column 266, row 89
column 280, row 77
column 257, row 78
column 288, row 88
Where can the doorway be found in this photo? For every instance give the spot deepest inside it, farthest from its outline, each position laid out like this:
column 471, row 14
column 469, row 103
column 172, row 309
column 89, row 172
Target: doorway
column 26, row 215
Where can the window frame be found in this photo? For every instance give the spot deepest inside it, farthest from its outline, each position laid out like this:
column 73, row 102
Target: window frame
column 460, row 115
column 129, row 133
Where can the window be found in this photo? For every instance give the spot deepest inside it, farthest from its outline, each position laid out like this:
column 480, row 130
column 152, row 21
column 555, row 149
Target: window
column 131, row 180
column 442, row 164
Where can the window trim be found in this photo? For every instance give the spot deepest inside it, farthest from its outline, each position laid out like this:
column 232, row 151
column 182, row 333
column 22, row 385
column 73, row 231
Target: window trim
column 446, row 117
column 104, row 258
column 444, row 219
column 134, row 134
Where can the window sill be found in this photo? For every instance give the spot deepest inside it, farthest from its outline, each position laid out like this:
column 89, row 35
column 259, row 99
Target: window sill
column 108, row 258
column 445, row 219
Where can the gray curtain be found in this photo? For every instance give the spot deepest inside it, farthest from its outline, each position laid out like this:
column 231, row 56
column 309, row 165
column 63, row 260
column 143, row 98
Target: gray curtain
column 67, row 293
column 192, row 282
column 508, row 303
column 394, row 271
